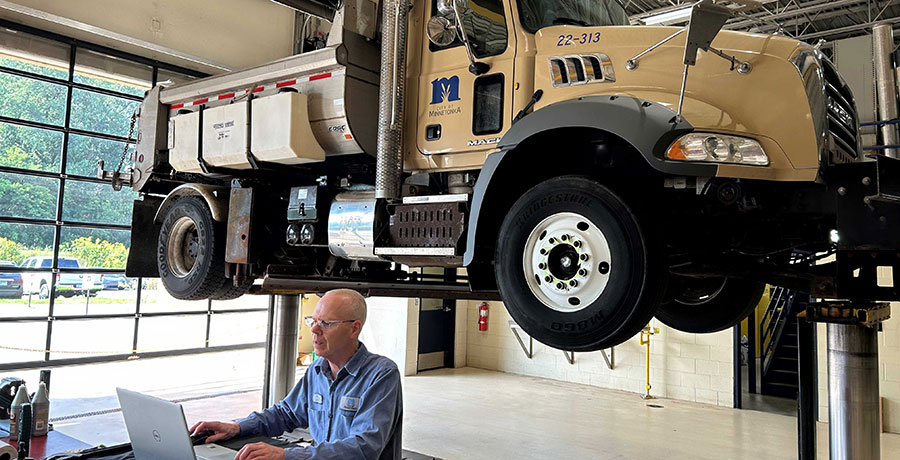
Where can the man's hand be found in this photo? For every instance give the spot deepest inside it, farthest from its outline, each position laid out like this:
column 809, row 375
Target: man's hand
column 260, row 451
column 221, row 431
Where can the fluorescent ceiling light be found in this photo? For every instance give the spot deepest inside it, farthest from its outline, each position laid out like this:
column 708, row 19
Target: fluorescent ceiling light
column 668, row 16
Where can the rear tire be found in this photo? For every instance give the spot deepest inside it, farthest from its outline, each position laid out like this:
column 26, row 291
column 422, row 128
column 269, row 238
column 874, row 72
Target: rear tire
column 704, row 305
column 592, row 290
column 191, row 251
column 229, row 291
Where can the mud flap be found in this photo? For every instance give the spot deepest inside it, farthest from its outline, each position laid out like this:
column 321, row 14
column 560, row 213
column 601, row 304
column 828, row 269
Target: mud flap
column 144, row 239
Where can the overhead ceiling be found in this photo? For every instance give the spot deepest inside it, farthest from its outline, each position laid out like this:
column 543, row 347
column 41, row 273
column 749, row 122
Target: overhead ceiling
column 808, row 20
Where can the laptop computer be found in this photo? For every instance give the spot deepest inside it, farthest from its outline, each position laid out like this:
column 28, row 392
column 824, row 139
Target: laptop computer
column 158, row 430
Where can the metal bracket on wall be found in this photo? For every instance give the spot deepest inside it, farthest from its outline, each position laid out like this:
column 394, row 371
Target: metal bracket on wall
column 570, row 355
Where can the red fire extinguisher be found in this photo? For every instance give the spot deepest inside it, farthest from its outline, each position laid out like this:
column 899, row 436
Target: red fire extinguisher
column 482, row 316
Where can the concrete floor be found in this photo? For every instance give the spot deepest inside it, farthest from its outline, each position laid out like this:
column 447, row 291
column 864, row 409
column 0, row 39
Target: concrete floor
column 458, row 414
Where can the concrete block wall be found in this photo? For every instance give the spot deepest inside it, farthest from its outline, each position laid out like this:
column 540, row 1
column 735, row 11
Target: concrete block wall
column 392, row 330
column 688, row 367
column 888, row 370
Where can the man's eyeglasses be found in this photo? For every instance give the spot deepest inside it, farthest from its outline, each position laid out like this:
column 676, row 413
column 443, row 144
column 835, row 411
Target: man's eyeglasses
column 322, row 323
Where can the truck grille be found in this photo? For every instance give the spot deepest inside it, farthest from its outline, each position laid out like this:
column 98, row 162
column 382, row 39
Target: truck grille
column 842, row 136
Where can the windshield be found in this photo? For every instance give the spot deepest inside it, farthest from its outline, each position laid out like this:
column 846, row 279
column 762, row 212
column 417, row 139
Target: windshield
column 537, row 14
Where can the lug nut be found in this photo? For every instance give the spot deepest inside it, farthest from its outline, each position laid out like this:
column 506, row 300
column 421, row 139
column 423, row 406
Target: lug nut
column 551, row 240
column 548, row 278
column 560, row 285
column 582, row 272
column 564, row 237
column 577, row 244
column 573, row 283
column 543, row 251
column 542, row 265
column 584, row 257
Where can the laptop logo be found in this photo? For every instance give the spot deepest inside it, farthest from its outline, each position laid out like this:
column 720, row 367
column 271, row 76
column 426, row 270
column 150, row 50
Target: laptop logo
column 156, row 436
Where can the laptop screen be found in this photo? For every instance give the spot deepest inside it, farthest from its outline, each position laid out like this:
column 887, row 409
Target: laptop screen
column 156, row 427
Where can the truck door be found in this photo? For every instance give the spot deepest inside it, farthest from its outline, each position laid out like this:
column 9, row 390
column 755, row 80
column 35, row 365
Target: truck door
column 459, row 112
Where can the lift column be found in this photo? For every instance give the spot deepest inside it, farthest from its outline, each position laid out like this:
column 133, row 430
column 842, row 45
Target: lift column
column 281, row 347
column 854, row 413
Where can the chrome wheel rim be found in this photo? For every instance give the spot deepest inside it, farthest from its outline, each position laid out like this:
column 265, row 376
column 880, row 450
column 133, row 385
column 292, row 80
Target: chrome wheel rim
column 183, row 247
column 567, row 262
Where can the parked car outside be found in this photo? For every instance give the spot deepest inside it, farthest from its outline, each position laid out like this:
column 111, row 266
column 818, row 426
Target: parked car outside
column 67, row 284
column 116, row 281
column 10, row 283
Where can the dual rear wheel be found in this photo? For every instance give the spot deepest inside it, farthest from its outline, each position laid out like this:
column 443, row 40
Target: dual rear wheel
column 191, row 254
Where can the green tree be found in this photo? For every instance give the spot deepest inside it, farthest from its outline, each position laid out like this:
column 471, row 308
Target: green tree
column 10, row 250
column 96, row 253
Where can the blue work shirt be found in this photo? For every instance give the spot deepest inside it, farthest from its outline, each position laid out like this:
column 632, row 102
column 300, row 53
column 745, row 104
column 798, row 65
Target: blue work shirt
column 359, row 414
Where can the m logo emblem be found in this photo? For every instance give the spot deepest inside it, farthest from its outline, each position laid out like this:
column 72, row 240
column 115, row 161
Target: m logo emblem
column 445, row 90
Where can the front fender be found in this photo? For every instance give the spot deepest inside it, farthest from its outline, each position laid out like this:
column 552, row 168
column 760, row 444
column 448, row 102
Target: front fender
column 647, row 126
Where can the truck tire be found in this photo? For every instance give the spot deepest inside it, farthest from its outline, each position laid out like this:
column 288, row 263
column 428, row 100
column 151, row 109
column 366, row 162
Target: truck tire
column 44, row 291
column 191, row 251
column 229, row 291
column 703, row 305
column 569, row 229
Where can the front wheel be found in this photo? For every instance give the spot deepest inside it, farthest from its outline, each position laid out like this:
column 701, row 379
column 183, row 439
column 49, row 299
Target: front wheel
column 575, row 268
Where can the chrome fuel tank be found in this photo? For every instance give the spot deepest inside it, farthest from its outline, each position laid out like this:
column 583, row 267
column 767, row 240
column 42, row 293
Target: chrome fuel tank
column 354, row 221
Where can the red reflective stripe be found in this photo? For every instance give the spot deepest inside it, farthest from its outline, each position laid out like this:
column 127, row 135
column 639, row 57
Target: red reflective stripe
column 200, row 101
column 177, row 106
column 226, row 96
column 258, row 89
column 286, row 83
column 319, row 77
column 347, row 136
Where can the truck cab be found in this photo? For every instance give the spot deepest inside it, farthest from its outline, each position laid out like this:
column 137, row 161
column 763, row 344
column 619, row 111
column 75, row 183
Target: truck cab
column 590, row 173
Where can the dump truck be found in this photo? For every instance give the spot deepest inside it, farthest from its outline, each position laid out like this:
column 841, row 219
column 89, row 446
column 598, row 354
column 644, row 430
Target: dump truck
column 590, row 173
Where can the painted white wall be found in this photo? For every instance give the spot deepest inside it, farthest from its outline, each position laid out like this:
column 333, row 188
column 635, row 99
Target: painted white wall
column 688, row 367
column 234, row 33
column 392, row 330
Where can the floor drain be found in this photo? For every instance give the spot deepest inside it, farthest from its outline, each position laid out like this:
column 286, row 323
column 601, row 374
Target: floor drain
column 656, row 406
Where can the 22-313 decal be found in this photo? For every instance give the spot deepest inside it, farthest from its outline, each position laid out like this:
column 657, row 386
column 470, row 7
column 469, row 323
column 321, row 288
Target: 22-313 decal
column 583, row 39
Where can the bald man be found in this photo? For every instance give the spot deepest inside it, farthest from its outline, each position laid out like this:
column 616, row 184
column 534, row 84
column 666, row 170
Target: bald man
column 349, row 398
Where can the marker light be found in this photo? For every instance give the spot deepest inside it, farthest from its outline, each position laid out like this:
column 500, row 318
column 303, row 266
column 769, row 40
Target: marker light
column 718, row 148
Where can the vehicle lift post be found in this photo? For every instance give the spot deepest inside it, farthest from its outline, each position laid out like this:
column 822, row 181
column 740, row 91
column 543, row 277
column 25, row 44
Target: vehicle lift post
column 281, row 347
column 854, row 412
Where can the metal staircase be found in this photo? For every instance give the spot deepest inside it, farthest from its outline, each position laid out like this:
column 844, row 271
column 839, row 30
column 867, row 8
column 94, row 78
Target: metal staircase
column 779, row 342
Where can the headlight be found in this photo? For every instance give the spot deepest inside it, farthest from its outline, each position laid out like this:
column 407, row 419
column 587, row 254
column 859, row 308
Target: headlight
column 718, row 148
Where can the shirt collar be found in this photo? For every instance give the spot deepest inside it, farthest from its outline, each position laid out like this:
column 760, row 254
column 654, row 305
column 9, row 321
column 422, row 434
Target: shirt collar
column 352, row 366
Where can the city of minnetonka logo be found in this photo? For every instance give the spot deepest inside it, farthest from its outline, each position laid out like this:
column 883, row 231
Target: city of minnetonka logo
column 445, row 90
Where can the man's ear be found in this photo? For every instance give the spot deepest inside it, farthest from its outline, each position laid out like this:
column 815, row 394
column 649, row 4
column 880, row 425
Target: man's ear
column 357, row 328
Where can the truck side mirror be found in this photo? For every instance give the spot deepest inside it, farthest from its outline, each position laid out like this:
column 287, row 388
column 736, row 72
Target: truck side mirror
column 707, row 20
column 441, row 31
column 445, row 7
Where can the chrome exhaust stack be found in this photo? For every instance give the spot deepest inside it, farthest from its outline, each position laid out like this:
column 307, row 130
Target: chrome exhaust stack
column 389, row 157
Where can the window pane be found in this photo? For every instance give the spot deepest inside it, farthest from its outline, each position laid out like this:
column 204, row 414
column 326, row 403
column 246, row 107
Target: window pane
column 98, row 337
column 100, row 113
column 30, row 340
column 97, row 203
column 112, row 73
column 155, row 299
column 171, row 333
column 95, row 248
column 237, row 328
column 167, row 78
column 23, row 51
column 104, row 300
column 32, row 100
column 27, row 196
column 20, row 241
column 30, row 148
column 84, row 152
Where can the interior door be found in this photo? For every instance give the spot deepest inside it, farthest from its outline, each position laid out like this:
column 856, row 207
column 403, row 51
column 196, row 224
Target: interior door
column 457, row 110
